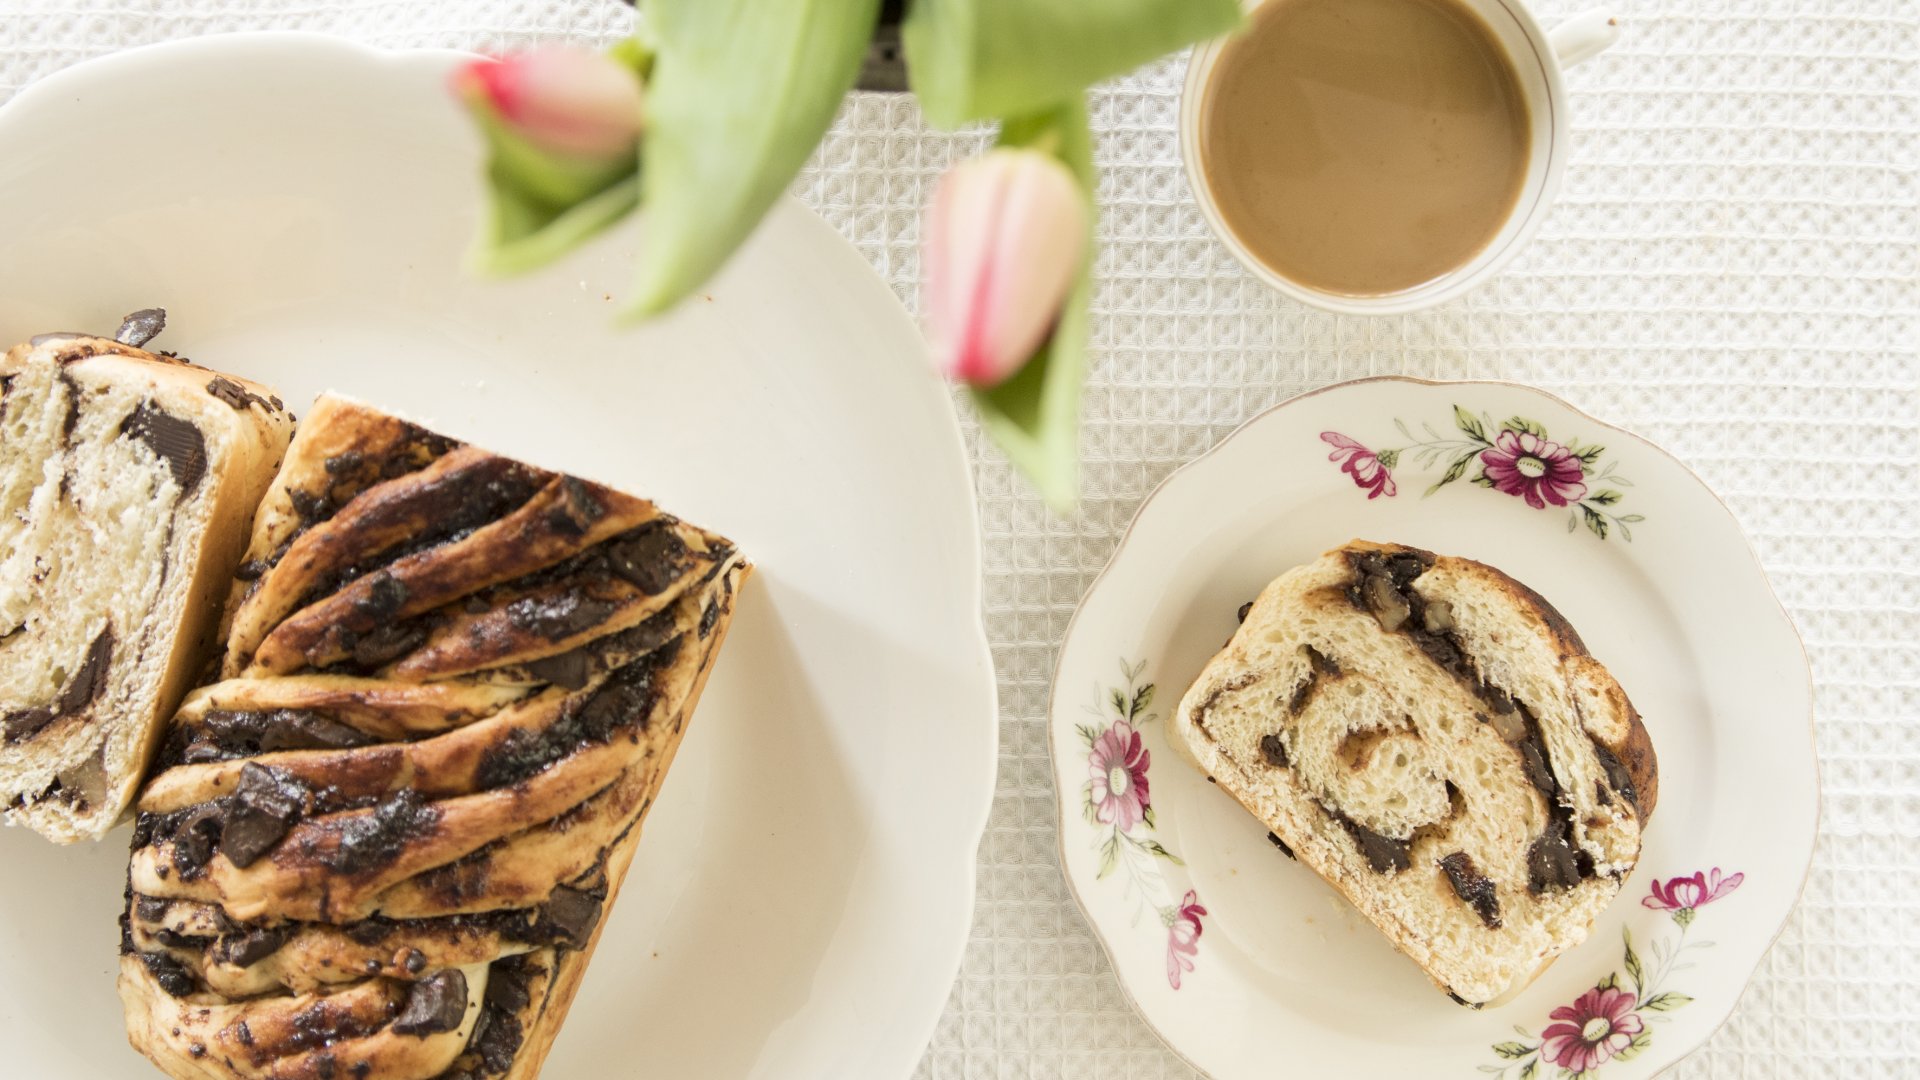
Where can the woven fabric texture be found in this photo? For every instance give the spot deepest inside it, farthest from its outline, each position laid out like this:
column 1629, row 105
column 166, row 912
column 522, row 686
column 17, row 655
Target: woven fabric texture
column 1733, row 271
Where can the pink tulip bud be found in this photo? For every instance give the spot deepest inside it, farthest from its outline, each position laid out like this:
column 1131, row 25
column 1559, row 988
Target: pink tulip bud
column 1005, row 236
column 567, row 100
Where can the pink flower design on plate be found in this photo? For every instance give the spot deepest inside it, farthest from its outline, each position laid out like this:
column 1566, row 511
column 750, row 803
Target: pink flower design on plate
column 1183, row 938
column 1687, row 893
column 1599, row 1024
column 1360, row 463
column 1538, row 470
column 1118, row 766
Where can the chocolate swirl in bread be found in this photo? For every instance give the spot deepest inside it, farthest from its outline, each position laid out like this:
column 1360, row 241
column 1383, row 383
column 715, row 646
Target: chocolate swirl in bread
column 1433, row 738
column 381, row 845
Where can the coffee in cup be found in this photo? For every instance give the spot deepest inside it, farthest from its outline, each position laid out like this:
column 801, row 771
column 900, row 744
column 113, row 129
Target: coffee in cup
column 1380, row 154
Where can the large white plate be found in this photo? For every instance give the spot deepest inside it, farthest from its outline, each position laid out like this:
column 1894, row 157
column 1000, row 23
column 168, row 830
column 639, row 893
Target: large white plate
column 1248, row 964
column 300, row 206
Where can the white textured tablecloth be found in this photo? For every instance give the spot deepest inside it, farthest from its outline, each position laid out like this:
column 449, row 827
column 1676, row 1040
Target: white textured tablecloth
column 1734, row 272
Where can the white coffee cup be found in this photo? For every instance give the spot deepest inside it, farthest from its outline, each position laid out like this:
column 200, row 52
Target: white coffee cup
column 1538, row 56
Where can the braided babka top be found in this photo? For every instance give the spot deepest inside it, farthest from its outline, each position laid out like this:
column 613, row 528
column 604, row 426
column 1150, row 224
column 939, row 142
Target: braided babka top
column 379, row 847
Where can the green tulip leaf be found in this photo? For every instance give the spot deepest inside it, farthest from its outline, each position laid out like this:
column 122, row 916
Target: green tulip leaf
column 1035, row 415
column 524, row 232
column 978, row 59
column 741, row 93
column 540, row 204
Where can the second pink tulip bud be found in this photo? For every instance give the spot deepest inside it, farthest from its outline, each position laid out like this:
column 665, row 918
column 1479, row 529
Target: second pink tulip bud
column 567, row 100
column 1005, row 237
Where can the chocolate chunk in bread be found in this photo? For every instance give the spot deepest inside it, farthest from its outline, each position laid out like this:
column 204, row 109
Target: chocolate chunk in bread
column 141, row 327
column 260, row 812
column 433, row 1005
column 169, row 974
column 1384, row 854
column 1475, row 890
column 178, row 442
column 573, row 912
column 652, row 557
column 251, row 947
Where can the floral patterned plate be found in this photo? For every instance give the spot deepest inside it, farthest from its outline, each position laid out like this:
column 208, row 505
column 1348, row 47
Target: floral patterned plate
column 1245, row 962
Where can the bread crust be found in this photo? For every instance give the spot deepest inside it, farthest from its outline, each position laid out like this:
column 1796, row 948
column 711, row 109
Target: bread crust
column 254, row 427
column 573, row 966
column 1636, row 753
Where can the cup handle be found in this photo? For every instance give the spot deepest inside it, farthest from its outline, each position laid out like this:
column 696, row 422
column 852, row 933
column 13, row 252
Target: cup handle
column 1584, row 36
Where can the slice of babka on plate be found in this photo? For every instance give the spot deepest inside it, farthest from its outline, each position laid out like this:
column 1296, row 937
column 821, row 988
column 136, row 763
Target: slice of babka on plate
column 127, row 479
column 380, row 846
column 1432, row 738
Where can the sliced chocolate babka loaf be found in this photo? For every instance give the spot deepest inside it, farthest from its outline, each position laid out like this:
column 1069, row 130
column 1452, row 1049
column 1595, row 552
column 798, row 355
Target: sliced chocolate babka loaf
column 127, row 479
column 1431, row 737
column 381, row 845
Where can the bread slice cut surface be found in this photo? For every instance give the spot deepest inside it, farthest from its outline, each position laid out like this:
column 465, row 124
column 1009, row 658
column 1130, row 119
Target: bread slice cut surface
column 1432, row 738
column 127, row 480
